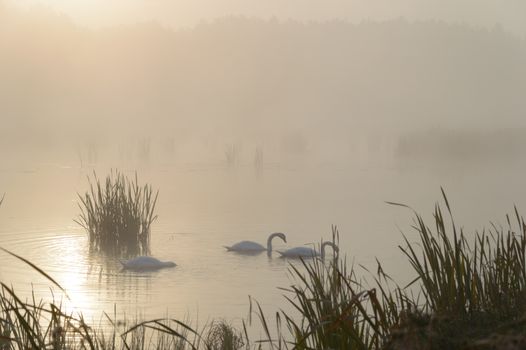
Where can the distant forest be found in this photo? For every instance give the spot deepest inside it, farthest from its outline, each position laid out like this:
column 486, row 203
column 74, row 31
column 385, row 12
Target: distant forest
column 462, row 145
column 250, row 77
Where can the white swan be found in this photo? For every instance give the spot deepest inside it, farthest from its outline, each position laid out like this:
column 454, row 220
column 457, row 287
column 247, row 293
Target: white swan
column 306, row 252
column 253, row 247
column 142, row 263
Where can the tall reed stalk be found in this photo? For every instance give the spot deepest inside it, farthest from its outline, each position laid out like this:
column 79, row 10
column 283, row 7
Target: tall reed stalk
column 117, row 214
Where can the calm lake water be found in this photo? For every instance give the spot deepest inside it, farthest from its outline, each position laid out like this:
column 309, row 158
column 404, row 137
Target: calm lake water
column 202, row 207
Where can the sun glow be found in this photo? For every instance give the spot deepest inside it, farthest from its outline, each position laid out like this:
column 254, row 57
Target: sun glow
column 74, row 273
column 62, row 5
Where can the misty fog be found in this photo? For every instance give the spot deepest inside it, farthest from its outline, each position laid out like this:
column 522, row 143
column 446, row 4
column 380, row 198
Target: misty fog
column 327, row 88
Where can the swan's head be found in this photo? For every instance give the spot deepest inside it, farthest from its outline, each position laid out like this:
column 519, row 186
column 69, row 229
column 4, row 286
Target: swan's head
column 280, row 235
column 169, row 264
column 271, row 237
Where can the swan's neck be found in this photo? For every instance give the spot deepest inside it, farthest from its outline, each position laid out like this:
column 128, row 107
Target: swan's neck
column 269, row 241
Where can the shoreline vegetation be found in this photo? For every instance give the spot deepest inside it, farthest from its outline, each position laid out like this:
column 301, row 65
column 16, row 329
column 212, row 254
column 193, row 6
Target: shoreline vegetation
column 469, row 292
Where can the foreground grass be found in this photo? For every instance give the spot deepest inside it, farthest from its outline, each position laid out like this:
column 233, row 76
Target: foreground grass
column 467, row 294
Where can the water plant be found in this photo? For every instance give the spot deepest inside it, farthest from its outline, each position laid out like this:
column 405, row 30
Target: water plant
column 223, row 336
column 217, row 335
column 117, row 214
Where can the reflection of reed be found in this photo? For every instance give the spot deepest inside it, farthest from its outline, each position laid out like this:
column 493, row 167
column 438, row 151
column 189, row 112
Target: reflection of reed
column 144, row 150
column 231, row 154
column 258, row 158
column 88, row 152
column 125, row 151
column 169, row 146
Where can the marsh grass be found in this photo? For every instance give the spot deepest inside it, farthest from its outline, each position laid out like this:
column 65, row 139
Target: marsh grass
column 465, row 292
column 469, row 288
column 117, row 214
column 468, row 293
column 221, row 335
column 174, row 334
column 467, row 279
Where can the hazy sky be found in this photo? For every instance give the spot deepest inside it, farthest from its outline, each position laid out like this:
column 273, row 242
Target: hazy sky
column 511, row 14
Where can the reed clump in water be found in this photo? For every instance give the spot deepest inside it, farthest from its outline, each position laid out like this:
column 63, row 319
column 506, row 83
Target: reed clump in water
column 117, row 214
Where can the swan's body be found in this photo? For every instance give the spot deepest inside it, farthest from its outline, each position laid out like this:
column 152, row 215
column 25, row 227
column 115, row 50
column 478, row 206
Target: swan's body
column 306, row 252
column 298, row 252
column 146, row 263
column 252, row 247
column 246, row 246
